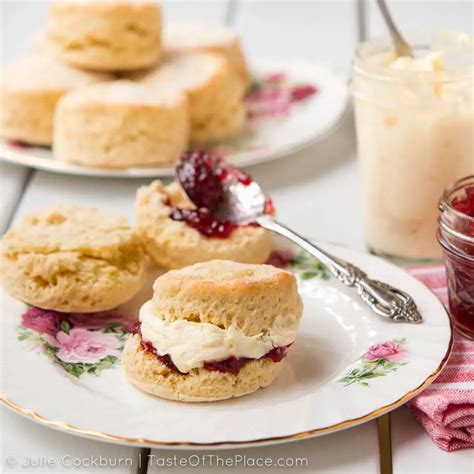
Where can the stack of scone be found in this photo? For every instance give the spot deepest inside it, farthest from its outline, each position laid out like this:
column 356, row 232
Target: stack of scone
column 214, row 330
column 192, row 84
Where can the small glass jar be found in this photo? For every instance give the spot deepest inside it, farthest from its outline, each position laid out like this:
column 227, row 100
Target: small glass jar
column 456, row 236
column 414, row 127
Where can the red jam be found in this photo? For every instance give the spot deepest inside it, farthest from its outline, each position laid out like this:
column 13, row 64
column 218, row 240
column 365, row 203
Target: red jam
column 164, row 359
column 203, row 175
column 456, row 235
column 231, row 365
column 198, row 176
column 20, row 144
column 202, row 220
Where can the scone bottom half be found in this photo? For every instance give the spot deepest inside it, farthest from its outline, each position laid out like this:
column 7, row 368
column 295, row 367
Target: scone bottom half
column 176, row 234
column 213, row 331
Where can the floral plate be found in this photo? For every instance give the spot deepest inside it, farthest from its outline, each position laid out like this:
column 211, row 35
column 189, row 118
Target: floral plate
column 290, row 105
column 347, row 366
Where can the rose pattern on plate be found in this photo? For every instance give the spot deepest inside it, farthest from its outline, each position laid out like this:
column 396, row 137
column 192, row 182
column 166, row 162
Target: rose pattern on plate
column 275, row 95
column 301, row 264
column 78, row 343
column 270, row 97
column 380, row 360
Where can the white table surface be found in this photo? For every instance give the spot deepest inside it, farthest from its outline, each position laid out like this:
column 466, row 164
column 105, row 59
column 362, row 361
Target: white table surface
column 316, row 191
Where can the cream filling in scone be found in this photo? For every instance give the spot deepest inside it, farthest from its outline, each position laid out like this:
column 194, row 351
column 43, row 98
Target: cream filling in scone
column 190, row 344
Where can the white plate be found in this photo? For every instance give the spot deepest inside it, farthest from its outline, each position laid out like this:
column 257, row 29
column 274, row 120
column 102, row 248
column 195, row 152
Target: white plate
column 263, row 140
column 311, row 397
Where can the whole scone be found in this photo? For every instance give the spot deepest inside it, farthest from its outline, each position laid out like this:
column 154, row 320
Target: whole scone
column 173, row 244
column 29, row 91
column 210, row 38
column 214, row 330
column 115, row 35
column 214, row 91
column 121, row 124
column 72, row 259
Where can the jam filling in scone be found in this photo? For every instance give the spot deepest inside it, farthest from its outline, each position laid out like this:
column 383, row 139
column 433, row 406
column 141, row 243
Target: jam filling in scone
column 230, row 365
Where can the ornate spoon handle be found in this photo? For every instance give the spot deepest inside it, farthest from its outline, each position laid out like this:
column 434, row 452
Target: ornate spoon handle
column 383, row 299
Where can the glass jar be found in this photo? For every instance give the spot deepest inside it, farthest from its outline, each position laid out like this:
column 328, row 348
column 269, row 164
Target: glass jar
column 414, row 127
column 456, row 236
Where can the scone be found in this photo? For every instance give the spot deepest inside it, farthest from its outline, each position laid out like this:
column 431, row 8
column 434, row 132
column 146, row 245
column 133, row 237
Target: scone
column 215, row 93
column 174, row 244
column 105, row 35
column 29, row 91
column 213, row 330
column 72, row 259
column 194, row 37
column 121, row 124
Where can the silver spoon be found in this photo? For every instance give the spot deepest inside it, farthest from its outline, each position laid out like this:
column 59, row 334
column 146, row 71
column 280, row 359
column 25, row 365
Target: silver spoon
column 245, row 203
column 401, row 46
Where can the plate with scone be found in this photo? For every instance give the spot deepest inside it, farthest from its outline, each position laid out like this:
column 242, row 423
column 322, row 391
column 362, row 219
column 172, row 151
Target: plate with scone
column 109, row 90
column 138, row 334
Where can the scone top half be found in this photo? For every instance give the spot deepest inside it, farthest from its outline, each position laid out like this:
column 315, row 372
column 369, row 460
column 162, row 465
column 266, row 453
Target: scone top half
column 72, row 259
column 111, row 35
column 213, row 311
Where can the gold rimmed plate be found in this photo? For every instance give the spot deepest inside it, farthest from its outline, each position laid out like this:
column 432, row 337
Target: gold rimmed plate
column 346, row 367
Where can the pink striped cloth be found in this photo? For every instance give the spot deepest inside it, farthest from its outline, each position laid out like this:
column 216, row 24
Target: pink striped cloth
column 446, row 407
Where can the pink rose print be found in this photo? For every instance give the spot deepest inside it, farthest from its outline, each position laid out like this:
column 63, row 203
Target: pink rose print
column 302, row 92
column 84, row 346
column 274, row 96
column 43, row 321
column 380, row 360
column 388, row 350
column 276, row 77
column 99, row 320
column 280, row 258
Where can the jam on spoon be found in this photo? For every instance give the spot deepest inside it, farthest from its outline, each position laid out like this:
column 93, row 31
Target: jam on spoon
column 203, row 175
column 203, row 221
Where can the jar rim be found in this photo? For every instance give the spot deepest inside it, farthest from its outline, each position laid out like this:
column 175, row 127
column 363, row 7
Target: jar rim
column 446, row 203
column 421, row 40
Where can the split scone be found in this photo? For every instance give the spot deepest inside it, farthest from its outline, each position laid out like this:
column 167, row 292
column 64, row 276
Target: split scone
column 121, row 124
column 72, row 259
column 29, row 91
column 213, row 330
column 172, row 243
column 116, row 35
column 214, row 91
column 194, row 37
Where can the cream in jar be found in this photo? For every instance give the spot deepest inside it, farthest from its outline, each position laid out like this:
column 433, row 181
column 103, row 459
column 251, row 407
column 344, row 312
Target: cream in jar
column 415, row 131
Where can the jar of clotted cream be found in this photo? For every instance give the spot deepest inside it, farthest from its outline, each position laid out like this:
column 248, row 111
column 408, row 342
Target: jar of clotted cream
column 414, row 121
column 456, row 236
